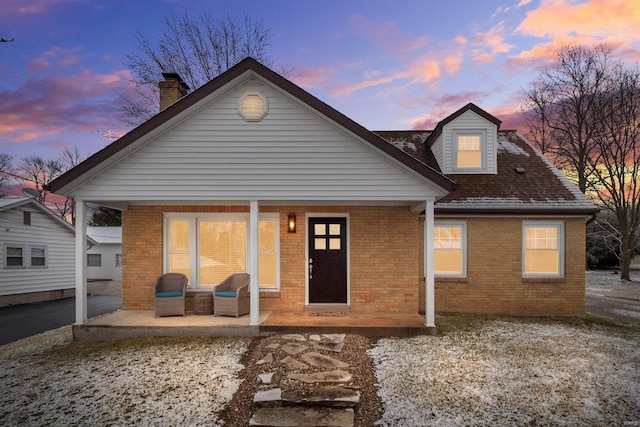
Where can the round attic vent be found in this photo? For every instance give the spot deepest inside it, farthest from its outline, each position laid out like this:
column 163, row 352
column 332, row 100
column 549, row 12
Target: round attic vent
column 253, row 106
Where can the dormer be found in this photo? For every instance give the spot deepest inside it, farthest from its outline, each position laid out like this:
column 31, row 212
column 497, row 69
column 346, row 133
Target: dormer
column 466, row 142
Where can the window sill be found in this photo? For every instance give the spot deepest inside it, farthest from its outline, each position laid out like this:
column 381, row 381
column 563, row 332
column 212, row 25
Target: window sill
column 452, row 279
column 543, row 280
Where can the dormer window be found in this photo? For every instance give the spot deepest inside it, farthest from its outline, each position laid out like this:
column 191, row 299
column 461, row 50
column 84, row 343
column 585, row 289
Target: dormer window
column 470, row 150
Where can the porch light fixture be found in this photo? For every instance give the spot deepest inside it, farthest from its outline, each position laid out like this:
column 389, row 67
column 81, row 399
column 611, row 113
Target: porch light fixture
column 291, row 223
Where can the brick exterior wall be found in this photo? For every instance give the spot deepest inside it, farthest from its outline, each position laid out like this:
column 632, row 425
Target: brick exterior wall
column 494, row 282
column 383, row 250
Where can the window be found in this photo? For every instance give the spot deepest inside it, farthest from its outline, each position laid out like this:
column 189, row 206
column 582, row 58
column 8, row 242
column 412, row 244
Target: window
column 118, row 260
column 25, row 256
column 38, row 257
column 450, row 246
column 207, row 248
column 253, row 107
column 470, row 150
column 26, row 218
column 543, row 249
column 94, row 260
column 15, row 256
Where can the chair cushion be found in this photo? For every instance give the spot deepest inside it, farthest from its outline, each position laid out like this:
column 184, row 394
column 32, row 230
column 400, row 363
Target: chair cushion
column 225, row 294
column 169, row 294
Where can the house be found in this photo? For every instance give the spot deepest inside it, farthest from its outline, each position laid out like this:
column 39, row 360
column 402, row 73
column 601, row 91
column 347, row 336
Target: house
column 104, row 261
column 252, row 173
column 37, row 253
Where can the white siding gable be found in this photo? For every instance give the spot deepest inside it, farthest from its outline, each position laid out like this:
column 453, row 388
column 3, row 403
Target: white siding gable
column 292, row 153
column 467, row 121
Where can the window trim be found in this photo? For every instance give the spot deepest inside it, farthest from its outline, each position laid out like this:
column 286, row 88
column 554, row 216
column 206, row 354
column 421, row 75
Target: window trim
column 482, row 133
column 559, row 225
column 27, row 254
column 464, row 246
column 24, row 256
column 194, row 219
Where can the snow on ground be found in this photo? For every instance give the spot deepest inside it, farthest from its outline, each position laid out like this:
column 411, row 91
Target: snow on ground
column 135, row 382
column 512, row 373
column 504, row 372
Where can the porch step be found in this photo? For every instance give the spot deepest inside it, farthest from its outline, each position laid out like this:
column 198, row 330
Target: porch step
column 302, row 417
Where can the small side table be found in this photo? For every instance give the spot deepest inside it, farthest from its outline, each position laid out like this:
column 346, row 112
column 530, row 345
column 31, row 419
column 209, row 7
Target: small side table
column 203, row 303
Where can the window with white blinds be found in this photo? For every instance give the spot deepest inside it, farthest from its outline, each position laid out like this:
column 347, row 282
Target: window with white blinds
column 207, row 248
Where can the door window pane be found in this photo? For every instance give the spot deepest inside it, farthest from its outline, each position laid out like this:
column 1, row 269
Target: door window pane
column 320, row 229
column 334, row 229
column 334, row 244
column 320, row 244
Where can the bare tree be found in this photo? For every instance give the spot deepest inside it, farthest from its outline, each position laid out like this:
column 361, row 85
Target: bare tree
column 198, row 49
column 39, row 171
column 615, row 163
column 6, row 170
column 65, row 206
column 561, row 109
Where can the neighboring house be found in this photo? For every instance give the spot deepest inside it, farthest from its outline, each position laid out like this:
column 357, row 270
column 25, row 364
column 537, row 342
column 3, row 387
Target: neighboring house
column 252, row 173
column 37, row 253
column 104, row 261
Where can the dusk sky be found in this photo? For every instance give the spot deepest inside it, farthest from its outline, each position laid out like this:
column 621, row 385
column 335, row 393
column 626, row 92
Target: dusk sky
column 387, row 64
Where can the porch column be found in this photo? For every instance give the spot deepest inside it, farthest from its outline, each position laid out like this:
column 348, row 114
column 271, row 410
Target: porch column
column 81, row 264
column 429, row 310
column 254, row 305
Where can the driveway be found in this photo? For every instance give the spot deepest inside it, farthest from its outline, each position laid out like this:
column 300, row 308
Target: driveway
column 25, row 320
column 609, row 298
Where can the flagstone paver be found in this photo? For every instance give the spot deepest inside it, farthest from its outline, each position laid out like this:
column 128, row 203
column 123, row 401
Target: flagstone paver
column 320, row 398
column 303, row 417
column 321, row 361
column 294, row 348
column 336, row 376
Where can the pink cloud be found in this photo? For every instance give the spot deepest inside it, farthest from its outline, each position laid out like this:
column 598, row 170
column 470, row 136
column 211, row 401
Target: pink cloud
column 420, row 71
column 312, row 77
column 31, row 6
column 567, row 22
column 491, row 43
column 52, row 104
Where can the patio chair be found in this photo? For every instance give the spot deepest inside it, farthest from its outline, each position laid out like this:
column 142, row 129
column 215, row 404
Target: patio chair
column 231, row 296
column 169, row 294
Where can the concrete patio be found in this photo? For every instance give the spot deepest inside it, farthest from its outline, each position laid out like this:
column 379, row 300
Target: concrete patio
column 143, row 323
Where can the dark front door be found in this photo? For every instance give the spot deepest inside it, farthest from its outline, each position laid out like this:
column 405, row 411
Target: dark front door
column 327, row 261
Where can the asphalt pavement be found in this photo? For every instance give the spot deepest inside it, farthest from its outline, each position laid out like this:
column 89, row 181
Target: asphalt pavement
column 25, row 320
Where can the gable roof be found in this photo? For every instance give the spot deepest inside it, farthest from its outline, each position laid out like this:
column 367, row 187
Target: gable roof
column 9, row 203
column 469, row 107
column 92, row 164
column 526, row 182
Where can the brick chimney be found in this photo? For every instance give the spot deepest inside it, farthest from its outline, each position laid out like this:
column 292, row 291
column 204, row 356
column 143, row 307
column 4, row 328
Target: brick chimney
column 172, row 88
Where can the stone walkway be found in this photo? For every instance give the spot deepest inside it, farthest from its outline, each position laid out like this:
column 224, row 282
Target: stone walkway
column 304, row 383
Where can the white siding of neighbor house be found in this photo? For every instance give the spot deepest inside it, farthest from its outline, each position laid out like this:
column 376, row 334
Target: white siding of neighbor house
column 43, row 231
column 293, row 153
column 108, row 270
column 468, row 121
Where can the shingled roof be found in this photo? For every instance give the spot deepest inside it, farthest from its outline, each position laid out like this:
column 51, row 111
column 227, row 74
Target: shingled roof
column 526, row 182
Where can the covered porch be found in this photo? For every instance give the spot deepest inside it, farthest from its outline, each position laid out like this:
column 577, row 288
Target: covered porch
column 142, row 323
